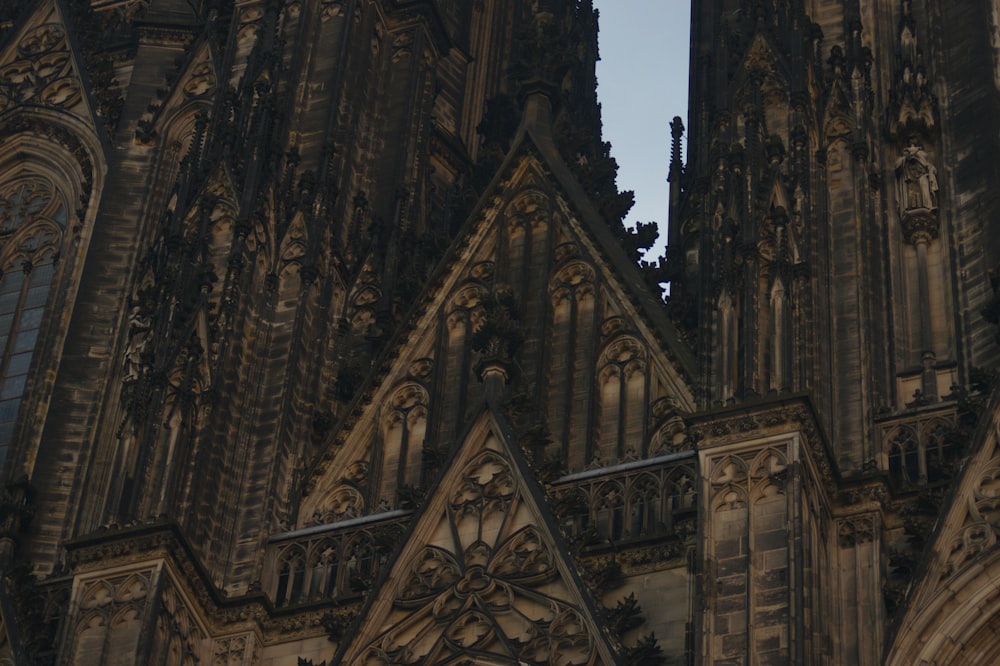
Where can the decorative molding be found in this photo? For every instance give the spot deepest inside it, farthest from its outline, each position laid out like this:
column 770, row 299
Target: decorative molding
column 42, row 73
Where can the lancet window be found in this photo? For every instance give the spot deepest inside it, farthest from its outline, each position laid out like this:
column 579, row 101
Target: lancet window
column 32, row 223
column 904, row 458
column 919, row 453
column 622, row 381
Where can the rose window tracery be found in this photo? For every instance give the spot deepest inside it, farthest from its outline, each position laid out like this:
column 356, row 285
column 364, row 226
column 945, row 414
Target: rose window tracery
column 489, row 592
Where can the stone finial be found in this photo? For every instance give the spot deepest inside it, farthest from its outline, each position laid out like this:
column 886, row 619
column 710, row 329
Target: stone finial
column 498, row 338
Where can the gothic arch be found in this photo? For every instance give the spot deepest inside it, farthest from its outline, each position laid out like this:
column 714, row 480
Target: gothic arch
column 404, row 426
column 667, row 438
column 680, row 490
column 180, row 126
column 530, row 207
column 134, row 587
column 47, row 187
column 467, row 296
column 902, row 455
column 90, row 636
column 764, row 490
column 622, row 370
column 768, row 463
column 729, row 470
column 341, row 502
column 958, row 626
column 575, row 276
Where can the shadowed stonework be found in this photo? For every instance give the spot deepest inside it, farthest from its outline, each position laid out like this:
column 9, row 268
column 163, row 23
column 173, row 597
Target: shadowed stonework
column 323, row 341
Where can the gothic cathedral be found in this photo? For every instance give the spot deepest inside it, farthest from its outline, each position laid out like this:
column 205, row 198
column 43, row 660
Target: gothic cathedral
column 324, row 342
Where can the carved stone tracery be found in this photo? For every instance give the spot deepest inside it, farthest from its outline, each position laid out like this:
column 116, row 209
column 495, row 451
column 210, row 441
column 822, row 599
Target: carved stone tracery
column 43, row 71
column 487, row 591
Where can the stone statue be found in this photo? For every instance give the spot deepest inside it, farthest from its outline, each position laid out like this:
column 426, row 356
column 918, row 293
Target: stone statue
column 916, row 180
column 138, row 341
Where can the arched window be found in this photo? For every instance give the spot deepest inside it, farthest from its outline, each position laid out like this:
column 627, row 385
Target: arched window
column 291, row 576
column 904, row 458
column 403, row 435
column 33, row 218
column 622, row 382
column 939, row 440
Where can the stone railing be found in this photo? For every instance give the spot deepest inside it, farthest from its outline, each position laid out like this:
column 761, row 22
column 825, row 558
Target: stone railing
column 630, row 501
column 626, row 502
column 920, row 447
column 335, row 561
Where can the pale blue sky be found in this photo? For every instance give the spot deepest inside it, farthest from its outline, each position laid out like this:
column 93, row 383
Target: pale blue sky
column 642, row 84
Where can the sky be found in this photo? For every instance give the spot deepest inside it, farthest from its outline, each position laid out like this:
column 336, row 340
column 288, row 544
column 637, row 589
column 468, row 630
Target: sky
column 642, row 85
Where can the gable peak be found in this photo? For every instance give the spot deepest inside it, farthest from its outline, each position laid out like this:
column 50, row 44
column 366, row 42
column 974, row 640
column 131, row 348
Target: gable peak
column 482, row 572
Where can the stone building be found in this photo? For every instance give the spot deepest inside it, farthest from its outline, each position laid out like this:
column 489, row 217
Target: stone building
column 324, row 342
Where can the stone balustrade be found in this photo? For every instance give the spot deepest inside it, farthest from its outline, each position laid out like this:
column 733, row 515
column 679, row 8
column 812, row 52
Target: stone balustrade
column 338, row 560
column 920, row 446
column 631, row 500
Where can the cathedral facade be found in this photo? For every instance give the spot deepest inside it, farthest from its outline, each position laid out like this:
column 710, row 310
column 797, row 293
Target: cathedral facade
column 324, row 341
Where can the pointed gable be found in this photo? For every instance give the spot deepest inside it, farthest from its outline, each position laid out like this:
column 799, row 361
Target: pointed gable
column 39, row 67
column 193, row 91
column 482, row 576
column 955, row 599
column 585, row 316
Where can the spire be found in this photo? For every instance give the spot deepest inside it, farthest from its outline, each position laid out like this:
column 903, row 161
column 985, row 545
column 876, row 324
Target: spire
column 911, row 110
column 676, row 133
column 497, row 340
column 674, row 178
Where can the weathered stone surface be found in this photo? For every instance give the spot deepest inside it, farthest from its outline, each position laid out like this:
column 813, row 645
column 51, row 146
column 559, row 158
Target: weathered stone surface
column 263, row 264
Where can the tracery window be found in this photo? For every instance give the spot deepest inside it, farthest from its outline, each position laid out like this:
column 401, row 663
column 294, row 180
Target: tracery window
column 32, row 221
column 904, row 458
column 622, row 382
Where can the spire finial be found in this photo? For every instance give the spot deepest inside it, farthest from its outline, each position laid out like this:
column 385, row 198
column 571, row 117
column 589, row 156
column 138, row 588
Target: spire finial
column 676, row 132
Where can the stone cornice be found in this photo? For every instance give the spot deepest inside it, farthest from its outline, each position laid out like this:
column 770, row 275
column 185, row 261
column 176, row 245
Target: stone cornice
column 222, row 615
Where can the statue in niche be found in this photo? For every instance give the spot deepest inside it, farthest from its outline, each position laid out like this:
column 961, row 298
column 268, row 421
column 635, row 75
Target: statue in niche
column 139, row 329
column 916, row 181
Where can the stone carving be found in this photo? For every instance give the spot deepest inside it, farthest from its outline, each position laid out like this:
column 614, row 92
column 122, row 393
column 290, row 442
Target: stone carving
column 980, row 525
column 42, row 73
column 330, row 9
column 137, row 345
column 566, row 250
column 503, row 578
column 108, row 612
column 239, row 650
column 575, row 280
column 916, row 192
column 623, row 351
column 177, row 632
column 202, row 80
column 337, row 563
column 630, row 505
column 499, row 334
column 531, row 208
column 488, row 485
column 488, row 583
column 421, row 368
column 32, row 218
column 857, row 530
column 482, row 271
column 912, row 106
column 341, row 503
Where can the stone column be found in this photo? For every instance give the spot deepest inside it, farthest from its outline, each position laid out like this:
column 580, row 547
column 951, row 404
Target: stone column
column 916, row 193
